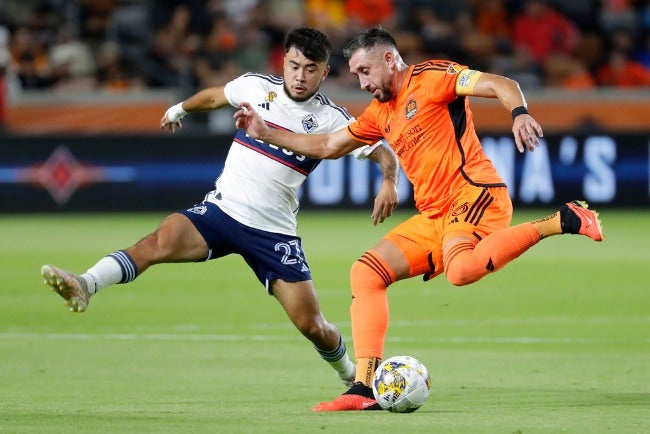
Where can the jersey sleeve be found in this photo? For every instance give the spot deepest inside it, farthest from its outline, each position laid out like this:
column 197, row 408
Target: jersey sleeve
column 362, row 152
column 239, row 89
column 442, row 79
column 365, row 128
column 466, row 81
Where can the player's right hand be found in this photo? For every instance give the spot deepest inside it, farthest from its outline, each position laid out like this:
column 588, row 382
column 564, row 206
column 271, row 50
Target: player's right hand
column 248, row 120
column 527, row 132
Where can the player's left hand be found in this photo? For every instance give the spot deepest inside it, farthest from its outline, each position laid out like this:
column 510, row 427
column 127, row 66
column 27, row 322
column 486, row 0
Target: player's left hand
column 385, row 202
column 527, row 132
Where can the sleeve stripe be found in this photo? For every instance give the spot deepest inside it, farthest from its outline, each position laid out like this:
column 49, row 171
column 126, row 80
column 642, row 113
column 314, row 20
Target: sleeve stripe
column 364, row 139
column 327, row 102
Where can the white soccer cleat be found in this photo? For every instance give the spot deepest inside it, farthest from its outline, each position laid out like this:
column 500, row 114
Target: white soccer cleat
column 69, row 286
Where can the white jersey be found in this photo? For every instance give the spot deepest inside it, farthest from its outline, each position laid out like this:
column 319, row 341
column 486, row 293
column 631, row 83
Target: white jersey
column 259, row 181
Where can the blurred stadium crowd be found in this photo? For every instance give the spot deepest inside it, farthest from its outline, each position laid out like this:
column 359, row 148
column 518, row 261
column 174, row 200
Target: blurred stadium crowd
column 122, row 45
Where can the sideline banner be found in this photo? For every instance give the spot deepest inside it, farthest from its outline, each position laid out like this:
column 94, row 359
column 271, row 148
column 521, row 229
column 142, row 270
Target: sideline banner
column 167, row 173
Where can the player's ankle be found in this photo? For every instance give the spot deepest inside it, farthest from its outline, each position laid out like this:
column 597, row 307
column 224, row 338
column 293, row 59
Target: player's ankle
column 550, row 225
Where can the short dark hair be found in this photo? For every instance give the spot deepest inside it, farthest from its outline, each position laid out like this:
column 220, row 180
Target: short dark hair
column 312, row 43
column 369, row 39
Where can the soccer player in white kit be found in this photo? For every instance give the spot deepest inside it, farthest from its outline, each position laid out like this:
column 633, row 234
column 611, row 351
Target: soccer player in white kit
column 252, row 210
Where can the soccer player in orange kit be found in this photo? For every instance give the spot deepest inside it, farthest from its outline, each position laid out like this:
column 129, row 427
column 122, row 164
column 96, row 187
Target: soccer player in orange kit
column 463, row 225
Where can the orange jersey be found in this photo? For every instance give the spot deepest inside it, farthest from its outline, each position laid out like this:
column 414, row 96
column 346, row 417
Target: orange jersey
column 430, row 128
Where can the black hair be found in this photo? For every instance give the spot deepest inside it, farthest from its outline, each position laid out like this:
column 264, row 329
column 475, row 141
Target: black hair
column 369, row 39
column 312, row 43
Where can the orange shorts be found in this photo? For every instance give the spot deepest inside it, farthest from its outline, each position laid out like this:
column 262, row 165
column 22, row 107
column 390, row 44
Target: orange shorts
column 473, row 212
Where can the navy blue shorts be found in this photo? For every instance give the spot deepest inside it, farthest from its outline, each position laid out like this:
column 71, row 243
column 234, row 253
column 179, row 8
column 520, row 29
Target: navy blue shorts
column 271, row 256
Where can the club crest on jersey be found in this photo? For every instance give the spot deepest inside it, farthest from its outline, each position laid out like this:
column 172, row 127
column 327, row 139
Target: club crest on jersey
column 411, row 108
column 310, row 123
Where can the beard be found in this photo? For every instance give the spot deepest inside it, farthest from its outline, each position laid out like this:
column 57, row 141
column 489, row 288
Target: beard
column 295, row 98
column 384, row 95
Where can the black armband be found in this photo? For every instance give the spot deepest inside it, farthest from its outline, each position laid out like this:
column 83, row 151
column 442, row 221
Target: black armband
column 521, row 110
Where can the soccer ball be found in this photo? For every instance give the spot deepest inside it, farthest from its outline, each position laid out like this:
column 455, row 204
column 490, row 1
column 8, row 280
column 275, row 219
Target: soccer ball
column 402, row 384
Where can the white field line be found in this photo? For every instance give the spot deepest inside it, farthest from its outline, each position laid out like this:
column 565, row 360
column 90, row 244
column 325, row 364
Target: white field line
column 523, row 321
column 546, row 321
column 194, row 332
column 185, row 337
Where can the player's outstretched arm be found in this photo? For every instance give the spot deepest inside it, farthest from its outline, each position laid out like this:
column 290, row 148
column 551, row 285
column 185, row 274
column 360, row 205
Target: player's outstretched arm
column 211, row 98
column 387, row 199
column 525, row 128
column 322, row 146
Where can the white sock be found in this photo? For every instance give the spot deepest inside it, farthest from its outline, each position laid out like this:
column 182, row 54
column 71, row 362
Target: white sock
column 345, row 367
column 339, row 360
column 104, row 273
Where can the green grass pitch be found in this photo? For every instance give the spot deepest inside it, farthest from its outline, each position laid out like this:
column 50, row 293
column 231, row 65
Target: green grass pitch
column 558, row 341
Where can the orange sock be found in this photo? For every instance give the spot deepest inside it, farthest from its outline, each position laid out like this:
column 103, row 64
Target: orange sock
column 466, row 263
column 366, row 367
column 369, row 279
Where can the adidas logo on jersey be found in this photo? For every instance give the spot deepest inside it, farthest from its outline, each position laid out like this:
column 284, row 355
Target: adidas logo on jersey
column 264, row 105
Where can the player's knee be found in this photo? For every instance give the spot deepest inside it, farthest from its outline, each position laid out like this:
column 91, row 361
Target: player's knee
column 312, row 327
column 459, row 273
column 459, row 279
column 153, row 248
column 369, row 273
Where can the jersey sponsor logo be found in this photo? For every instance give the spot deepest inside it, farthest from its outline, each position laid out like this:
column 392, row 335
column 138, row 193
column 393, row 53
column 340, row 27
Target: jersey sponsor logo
column 200, row 210
column 411, row 109
column 310, row 123
column 408, row 139
column 271, row 96
column 267, row 100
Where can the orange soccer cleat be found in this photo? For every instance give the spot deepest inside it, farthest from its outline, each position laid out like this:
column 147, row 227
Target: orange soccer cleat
column 577, row 218
column 358, row 397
